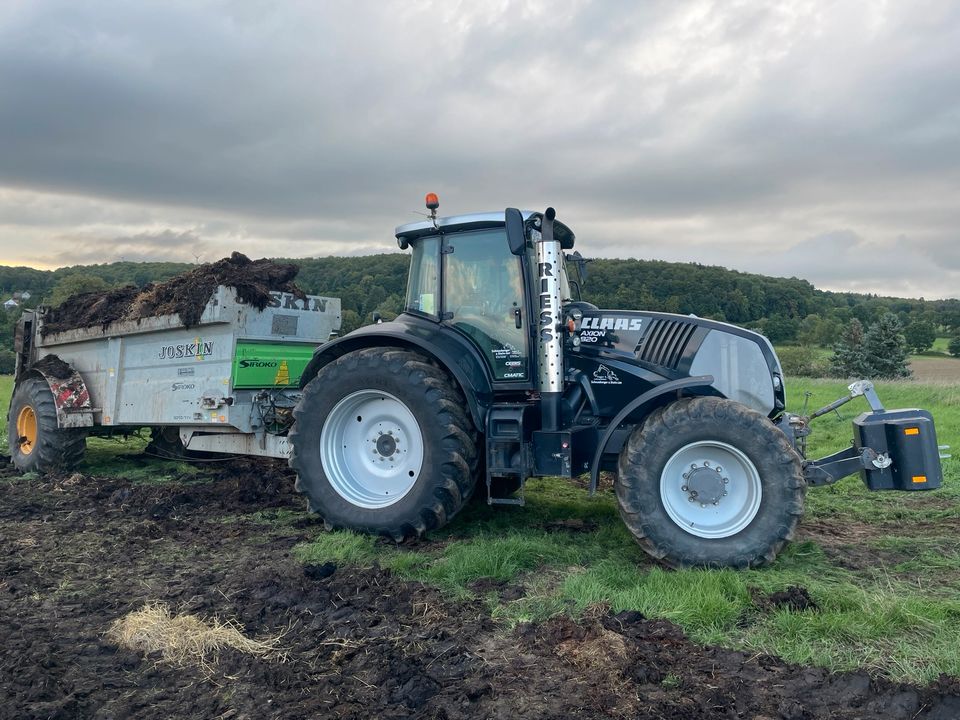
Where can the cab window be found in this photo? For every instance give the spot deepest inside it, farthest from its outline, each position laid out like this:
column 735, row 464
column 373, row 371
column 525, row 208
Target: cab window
column 423, row 285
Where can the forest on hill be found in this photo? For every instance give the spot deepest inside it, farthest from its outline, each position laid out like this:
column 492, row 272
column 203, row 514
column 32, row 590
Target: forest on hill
column 787, row 310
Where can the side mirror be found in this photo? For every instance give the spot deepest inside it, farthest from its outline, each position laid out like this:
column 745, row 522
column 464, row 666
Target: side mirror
column 513, row 219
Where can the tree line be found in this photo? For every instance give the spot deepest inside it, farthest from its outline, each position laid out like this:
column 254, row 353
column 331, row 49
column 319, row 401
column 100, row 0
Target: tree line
column 787, row 310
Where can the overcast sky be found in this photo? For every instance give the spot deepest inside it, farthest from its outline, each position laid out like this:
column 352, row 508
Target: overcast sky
column 816, row 139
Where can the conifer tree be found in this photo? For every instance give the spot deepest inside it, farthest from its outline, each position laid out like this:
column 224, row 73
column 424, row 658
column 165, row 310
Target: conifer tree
column 848, row 354
column 885, row 348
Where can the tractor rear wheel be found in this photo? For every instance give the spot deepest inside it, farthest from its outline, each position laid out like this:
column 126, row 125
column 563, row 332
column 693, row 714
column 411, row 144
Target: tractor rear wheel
column 382, row 444
column 37, row 444
column 709, row 482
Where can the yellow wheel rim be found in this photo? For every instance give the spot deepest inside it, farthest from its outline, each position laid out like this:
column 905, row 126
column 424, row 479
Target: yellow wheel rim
column 27, row 429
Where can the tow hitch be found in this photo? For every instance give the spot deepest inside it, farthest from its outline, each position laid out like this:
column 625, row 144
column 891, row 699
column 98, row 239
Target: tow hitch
column 891, row 449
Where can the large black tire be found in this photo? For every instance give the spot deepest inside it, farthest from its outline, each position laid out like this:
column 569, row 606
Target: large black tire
column 48, row 447
column 648, row 472
column 448, row 440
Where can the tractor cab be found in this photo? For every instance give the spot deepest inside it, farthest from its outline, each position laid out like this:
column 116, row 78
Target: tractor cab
column 476, row 276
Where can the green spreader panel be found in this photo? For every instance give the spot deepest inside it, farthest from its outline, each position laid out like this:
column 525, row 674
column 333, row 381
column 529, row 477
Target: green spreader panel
column 261, row 365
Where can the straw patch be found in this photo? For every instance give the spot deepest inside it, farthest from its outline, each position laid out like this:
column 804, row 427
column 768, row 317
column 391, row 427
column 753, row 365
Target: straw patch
column 185, row 639
column 606, row 650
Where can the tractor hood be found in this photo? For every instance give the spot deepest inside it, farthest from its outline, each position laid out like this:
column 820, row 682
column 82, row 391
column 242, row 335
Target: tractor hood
column 654, row 346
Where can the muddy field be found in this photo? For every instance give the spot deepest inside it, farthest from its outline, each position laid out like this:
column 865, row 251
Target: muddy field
column 80, row 552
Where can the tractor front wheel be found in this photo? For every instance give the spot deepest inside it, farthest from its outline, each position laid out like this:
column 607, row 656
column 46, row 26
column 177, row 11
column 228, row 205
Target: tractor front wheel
column 382, row 444
column 709, row 482
column 37, row 444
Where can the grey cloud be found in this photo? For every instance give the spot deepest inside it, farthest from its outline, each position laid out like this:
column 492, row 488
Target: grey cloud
column 165, row 245
column 752, row 135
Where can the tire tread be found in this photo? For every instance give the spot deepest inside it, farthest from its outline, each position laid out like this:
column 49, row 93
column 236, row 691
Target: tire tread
column 657, row 430
column 458, row 438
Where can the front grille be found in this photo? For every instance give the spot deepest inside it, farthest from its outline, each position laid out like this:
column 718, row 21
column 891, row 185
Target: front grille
column 664, row 342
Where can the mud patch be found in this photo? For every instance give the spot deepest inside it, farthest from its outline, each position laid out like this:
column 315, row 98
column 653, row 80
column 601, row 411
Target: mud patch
column 82, row 552
column 571, row 525
column 185, row 295
column 792, row 598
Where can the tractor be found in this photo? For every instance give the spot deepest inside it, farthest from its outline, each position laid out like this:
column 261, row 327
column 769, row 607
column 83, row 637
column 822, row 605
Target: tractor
column 497, row 370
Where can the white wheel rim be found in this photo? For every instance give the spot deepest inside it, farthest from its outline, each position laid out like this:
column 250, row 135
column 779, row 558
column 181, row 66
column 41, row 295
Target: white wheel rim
column 710, row 489
column 371, row 448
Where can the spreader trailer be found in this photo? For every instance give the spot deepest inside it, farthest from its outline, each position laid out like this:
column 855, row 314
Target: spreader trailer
column 496, row 371
column 226, row 385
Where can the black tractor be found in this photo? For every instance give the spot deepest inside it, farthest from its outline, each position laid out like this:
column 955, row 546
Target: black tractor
column 497, row 371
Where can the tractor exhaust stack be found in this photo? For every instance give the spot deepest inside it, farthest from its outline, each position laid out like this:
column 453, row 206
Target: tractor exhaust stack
column 549, row 340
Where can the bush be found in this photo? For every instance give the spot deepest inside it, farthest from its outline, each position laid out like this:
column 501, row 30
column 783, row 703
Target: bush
column 954, row 347
column 802, row 361
column 920, row 335
column 8, row 362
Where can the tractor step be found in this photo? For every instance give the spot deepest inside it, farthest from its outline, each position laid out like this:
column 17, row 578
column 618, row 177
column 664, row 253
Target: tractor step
column 506, row 501
column 505, row 472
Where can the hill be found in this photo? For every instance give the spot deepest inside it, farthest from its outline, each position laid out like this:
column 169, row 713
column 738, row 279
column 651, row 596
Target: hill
column 785, row 309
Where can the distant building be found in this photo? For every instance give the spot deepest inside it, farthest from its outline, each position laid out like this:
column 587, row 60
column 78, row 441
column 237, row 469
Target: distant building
column 11, row 304
column 25, row 295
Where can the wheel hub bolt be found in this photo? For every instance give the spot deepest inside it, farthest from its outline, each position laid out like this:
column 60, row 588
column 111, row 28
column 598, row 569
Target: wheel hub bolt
column 724, row 492
column 726, row 481
column 683, row 488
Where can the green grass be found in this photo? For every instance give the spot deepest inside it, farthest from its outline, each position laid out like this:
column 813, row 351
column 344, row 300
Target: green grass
column 6, row 388
column 849, row 499
column 123, row 457
column 896, row 611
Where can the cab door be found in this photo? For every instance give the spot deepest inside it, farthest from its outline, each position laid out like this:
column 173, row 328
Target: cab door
column 483, row 299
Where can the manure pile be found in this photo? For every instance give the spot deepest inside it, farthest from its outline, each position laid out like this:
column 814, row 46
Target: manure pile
column 185, row 295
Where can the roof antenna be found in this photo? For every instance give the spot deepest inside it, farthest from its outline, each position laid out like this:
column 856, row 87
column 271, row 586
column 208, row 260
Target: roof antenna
column 433, row 202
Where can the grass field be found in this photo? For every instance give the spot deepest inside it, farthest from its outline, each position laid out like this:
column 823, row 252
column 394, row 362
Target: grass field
column 882, row 569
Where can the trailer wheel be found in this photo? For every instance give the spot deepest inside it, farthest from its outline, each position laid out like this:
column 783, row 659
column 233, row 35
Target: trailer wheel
column 710, row 482
column 36, row 443
column 382, row 444
column 165, row 443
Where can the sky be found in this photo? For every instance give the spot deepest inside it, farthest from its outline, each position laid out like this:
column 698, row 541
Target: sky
column 811, row 139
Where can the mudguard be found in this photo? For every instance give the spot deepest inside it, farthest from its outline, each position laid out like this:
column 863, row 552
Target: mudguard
column 649, row 399
column 70, row 394
column 449, row 348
